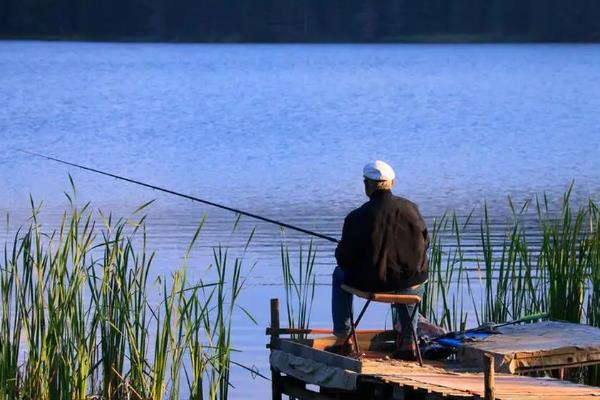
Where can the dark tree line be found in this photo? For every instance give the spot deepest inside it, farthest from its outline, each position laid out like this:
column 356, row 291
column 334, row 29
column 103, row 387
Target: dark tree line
column 303, row 20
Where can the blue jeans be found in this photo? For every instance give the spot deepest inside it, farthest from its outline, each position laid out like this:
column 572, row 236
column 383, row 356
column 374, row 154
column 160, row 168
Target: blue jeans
column 341, row 307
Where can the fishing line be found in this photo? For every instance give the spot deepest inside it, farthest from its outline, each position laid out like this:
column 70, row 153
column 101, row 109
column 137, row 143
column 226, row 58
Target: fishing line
column 185, row 196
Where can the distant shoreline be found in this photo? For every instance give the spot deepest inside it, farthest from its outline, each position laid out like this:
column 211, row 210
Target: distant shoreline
column 409, row 39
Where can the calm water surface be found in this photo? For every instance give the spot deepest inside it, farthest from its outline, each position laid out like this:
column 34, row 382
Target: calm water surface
column 283, row 130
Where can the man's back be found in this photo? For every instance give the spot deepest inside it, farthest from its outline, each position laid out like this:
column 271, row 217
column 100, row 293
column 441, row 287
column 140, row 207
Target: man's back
column 384, row 244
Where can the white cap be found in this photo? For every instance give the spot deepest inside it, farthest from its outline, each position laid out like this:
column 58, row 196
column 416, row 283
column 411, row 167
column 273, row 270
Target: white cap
column 378, row 171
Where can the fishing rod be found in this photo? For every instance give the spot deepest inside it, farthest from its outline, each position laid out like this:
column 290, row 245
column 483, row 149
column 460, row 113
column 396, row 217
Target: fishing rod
column 185, row 196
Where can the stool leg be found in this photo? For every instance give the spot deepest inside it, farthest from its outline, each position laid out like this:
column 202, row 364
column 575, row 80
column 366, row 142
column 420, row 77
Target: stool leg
column 413, row 330
column 352, row 333
column 355, row 324
column 360, row 315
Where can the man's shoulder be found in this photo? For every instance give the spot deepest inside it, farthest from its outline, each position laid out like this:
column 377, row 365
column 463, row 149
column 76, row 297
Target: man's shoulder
column 404, row 202
column 408, row 209
column 358, row 212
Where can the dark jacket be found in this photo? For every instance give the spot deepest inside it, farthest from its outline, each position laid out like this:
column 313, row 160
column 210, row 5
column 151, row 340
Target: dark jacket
column 384, row 244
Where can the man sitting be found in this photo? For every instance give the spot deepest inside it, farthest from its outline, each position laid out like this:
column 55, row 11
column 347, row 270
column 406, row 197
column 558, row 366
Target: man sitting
column 383, row 249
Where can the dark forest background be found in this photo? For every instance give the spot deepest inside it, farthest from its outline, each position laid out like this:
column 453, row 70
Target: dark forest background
column 303, row 20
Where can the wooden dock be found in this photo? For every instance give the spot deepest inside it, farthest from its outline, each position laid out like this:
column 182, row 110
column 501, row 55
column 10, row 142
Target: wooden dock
column 302, row 370
column 411, row 381
column 532, row 347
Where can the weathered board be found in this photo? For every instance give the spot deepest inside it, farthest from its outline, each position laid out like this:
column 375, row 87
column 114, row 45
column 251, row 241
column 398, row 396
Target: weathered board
column 539, row 346
column 408, row 378
column 447, row 382
column 382, row 341
column 331, row 359
column 298, row 365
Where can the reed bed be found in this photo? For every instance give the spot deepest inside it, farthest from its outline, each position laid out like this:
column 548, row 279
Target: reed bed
column 80, row 320
column 299, row 285
column 547, row 260
column 551, row 266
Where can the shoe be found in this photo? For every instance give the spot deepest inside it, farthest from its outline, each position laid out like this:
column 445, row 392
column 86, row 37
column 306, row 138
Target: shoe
column 340, row 349
column 406, row 355
column 341, row 346
column 407, row 352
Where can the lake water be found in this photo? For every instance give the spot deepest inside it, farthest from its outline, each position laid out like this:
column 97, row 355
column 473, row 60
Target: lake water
column 283, row 131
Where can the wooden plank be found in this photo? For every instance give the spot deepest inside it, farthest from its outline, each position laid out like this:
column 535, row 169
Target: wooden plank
column 369, row 339
column 331, row 359
column 318, row 331
column 381, row 341
column 563, row 351
column 539, row 346
column 321, row 344
column 447, row 382
column 297, row 390
column 506, row 385
column 419, row 385
column 553, row 367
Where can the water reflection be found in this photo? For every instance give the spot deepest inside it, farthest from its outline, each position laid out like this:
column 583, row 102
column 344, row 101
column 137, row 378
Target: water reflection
column 284, row 131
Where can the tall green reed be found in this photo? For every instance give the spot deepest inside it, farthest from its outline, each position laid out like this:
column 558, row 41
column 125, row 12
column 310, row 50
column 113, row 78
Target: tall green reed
column 49, row 308
column 11, row 326
column 79, row 319
column 510, row 290
column 444, row 301
column 299, row 285
column 544, row 264
column 565, row 257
